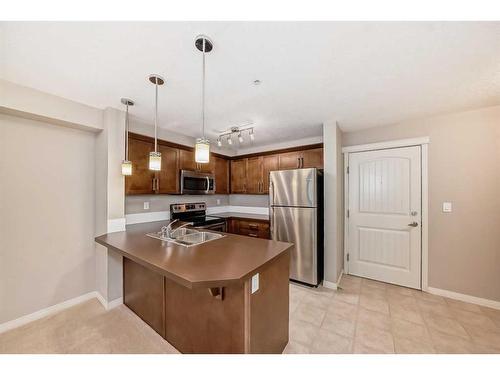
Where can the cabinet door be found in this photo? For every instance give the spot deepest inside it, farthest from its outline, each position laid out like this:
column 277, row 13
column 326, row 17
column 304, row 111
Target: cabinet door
column 168, row 177
column 289, row 160
column 312, row 158
column 187, row 160
column 269, row 163
column 238, row 176
column 254, row 175
column 141, row 180
column 221, row 167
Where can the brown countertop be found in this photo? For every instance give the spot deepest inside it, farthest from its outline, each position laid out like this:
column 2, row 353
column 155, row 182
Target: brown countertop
column 213, row 264
column 239, row 215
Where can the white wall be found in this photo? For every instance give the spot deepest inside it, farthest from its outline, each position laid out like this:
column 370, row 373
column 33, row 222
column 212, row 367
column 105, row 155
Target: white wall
column 333, row 171
column 46, row 215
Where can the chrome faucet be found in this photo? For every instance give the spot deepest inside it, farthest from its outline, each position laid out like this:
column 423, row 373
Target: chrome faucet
column 166, row 231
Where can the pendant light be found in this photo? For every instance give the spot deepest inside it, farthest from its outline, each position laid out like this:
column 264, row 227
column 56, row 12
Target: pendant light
column 202, row 146
column 155, row 156
column 126, row 164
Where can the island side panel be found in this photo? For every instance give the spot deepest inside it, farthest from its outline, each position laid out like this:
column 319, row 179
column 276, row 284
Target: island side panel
column 144, row 294
column 198, row 322
column 269, row 308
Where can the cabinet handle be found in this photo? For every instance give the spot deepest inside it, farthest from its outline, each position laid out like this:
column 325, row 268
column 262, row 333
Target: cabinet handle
column 157, row 184
column 253, row 226
column 252, row 235
column 153, row 184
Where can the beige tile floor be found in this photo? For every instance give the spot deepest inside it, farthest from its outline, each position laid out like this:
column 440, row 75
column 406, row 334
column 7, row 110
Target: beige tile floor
column 367, row 316
column 364, row 317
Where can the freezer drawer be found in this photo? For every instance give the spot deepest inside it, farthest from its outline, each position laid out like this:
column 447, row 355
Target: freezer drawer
column 295, row 187
column 299, row 226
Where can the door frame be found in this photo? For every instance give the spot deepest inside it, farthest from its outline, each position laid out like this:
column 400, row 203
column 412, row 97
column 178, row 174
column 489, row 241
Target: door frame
column 423, row 142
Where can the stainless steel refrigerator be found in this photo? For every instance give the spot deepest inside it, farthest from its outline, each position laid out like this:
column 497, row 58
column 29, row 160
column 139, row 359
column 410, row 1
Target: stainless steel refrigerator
column 296, row 214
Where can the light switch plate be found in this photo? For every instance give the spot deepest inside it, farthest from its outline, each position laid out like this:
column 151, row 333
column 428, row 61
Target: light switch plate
column 146, row 205
column 255, row 283
column 447, row 207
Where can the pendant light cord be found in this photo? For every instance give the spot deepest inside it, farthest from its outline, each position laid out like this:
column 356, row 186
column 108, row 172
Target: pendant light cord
column 156, row 113
column 126, row 134
column 203, row 92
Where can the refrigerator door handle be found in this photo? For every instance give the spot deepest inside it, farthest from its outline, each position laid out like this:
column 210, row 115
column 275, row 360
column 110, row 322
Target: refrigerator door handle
column 271, row 193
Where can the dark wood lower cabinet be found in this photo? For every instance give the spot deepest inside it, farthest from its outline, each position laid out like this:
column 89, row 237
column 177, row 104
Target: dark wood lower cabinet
column 197, row 321
column 249, row 227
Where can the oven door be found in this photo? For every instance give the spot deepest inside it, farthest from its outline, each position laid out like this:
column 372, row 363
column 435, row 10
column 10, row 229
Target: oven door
column 197, row 183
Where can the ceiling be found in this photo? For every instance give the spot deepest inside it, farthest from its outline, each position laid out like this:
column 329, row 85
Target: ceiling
column 363, row 74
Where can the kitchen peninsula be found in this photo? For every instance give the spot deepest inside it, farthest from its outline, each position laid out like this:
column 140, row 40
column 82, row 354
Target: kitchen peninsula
column 228, row 295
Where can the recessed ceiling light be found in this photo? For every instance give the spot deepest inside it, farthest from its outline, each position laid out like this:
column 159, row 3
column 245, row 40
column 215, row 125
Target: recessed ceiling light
column 257, row 82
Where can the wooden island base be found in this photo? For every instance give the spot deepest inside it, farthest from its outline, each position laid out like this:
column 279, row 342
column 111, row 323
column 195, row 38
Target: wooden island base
column 227, row 319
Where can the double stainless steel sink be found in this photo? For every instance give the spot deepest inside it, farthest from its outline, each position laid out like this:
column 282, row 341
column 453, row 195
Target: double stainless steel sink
column 187, row 237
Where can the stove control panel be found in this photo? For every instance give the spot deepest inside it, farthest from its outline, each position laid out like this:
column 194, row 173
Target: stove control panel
column 187, row 207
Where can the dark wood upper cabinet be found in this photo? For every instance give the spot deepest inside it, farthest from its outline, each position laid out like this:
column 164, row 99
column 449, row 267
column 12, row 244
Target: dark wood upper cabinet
column 289, row 160
column 142, row 179
column 312, row 158
column 221, row 171
column 168, row 176
column 238, row 176
column 254, row 175
column 187, row 160
column 269, row 163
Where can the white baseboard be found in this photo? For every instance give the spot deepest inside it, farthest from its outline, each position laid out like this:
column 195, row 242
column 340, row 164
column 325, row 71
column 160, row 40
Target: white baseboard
column 465, row 298
column 46, row 312
column 7, row 326
column 334, row 286
column 111, row 304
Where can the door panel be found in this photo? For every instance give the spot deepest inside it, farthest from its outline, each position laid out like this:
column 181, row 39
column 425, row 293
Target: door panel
column 312, row 158
column 269, row 163
column 221, row 167
column 238, row 176
column 141, row 180
column 169, row 174
column 289, row 160
column 384, row 198
column 293, row 188
column 297, row 225
column 254, row 175
column 187, row 160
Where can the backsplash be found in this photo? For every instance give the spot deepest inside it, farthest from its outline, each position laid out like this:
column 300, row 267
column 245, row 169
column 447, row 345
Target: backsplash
column 134, row 204
column 249, row 200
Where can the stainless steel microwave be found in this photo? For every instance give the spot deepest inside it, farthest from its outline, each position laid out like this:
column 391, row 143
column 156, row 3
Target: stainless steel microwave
column 197, row 182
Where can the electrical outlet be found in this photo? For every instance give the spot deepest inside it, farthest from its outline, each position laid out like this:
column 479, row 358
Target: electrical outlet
column 447, row 207
column 255, row 283
column 146, row 205
column 218, row 202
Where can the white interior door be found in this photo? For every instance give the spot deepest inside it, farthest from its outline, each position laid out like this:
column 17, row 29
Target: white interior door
column 385, row 218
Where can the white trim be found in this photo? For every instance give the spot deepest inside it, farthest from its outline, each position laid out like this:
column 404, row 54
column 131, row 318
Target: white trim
column 424, row 154
column 147, row 217
column 7, row 326
column 114, row 303
column 465, row 298
column 46, row 312
column 425, row 215
column 329, row 285
column 346, row 207
column 385, row 145
column 116, row 225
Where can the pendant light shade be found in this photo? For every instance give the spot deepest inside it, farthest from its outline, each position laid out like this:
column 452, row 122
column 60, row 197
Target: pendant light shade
column 202, row 151
column 202, row 146
column 155, row 156
column 126, row 164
